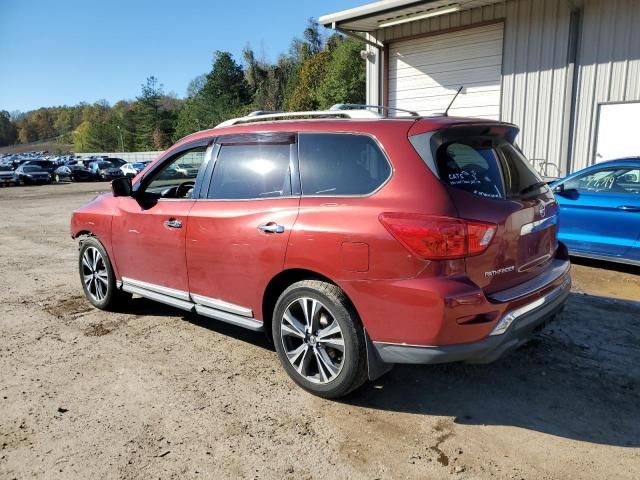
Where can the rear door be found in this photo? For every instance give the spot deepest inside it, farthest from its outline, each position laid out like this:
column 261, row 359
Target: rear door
column 489, row 180
column 238, row 232
column 600, row 211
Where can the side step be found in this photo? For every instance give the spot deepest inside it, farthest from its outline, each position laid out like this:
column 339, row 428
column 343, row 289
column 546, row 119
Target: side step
column 193, row 303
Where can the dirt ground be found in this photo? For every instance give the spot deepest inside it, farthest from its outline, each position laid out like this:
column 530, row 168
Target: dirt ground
column 155, row 393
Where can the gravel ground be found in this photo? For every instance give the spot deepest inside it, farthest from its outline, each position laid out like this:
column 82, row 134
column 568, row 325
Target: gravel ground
column 154, row 393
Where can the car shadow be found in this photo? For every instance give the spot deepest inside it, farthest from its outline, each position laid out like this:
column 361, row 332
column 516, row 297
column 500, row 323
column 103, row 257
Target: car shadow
column 618, row 267
column 579, row 378
column 144, row 307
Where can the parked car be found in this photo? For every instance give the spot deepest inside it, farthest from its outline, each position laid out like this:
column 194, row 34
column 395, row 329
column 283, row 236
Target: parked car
column 46, row 165
column 31, row 175
column 354, row 243
column 76, row 173
column 104, row 170
column 7, row 176
column 132, row 169
column 600, row 211
column 118, row 162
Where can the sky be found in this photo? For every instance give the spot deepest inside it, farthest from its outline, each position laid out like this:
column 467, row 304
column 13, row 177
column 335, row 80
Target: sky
column 62, row 52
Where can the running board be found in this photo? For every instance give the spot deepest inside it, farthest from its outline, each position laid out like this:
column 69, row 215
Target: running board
column 189, row 302
column 231, row 318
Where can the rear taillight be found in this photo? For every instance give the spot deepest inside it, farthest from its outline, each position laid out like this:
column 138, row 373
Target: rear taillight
column 439, row 238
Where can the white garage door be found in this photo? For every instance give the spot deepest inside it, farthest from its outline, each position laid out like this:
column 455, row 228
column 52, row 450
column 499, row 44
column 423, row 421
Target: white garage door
column 425, row 73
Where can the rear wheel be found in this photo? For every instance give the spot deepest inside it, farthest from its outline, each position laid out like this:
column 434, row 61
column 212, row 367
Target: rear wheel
column 319, row 339
column 97, row 277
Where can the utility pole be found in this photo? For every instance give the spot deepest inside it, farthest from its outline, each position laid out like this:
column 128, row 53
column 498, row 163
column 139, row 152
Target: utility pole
column 121, row 141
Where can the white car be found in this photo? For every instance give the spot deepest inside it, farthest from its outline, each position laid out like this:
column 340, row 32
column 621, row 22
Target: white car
column 132, row 169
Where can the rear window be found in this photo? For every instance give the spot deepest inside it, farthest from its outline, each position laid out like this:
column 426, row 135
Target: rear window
column 486, row 167
column 475, row 169
column 341, row 164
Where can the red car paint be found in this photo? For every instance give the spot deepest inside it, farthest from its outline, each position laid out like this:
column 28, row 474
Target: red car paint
column 399, row 297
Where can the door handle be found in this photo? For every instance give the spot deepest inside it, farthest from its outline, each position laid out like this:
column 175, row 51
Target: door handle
column 173, row 223
column 629, row 208
column 271, row 227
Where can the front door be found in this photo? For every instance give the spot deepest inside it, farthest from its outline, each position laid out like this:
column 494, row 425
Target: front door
column 237, row 236
column 149, row 230
column 600, row 211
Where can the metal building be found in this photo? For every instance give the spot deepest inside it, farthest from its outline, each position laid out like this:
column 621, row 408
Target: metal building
column 566, row 71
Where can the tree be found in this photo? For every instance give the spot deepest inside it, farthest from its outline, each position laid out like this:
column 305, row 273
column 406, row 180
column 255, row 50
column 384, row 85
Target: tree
column 195, row 85
column 312, row 74
column 81, row 137
column 225, row 94
column 345, row 79
column 8, row 131
column 155, row 120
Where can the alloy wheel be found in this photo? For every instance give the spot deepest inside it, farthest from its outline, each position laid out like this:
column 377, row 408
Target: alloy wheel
column 94, row 274
column 313, row 340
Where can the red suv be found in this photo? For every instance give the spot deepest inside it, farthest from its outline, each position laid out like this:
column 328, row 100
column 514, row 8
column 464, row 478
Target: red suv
column 354, row 241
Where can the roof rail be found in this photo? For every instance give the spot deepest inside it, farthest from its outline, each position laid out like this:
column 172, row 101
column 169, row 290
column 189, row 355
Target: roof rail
column 349, row 106
column 259, row 115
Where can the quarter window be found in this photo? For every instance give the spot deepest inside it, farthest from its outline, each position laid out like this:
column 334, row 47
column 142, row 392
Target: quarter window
column 341, row 164
column 251, row 172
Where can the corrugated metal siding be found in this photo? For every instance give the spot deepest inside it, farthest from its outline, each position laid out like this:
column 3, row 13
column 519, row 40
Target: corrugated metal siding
column 609, row 68
column 535, row 82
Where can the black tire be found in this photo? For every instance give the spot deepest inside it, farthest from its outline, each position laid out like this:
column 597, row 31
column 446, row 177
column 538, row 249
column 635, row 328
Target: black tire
column 353, row 371
column 111, row 298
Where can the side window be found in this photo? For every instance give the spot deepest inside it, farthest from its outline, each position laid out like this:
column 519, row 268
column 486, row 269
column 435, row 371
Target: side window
column 341, row 164
column 609, row 180
column 251, row 171
column 475, row 169
column 177, row 177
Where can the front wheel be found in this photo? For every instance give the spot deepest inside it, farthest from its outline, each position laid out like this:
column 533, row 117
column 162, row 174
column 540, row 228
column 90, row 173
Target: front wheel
column 319, row 339
column 97, row 277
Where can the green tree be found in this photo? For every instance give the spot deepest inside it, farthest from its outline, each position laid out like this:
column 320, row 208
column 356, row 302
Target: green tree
column 81, row 137
column 345, row 79
column 312, row 73
column 225, row 94
column 8, row 131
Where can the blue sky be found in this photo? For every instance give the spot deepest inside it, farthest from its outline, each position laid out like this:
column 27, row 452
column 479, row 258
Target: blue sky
column 57, row 52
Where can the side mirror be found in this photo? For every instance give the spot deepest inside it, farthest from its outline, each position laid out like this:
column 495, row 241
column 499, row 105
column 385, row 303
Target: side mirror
column 559, row 188
column 121, row 187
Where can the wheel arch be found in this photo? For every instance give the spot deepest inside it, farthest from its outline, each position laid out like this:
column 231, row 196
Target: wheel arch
column 279, row 284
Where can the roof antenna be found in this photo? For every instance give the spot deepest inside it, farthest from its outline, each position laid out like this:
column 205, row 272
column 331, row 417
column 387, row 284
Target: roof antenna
column 446, row 112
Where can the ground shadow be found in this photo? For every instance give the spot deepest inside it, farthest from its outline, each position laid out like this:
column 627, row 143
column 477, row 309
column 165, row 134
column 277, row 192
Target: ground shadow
column 578, row 379
column 618, row 267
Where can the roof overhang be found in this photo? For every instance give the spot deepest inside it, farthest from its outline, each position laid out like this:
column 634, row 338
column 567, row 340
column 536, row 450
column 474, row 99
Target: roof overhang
column 387, row 13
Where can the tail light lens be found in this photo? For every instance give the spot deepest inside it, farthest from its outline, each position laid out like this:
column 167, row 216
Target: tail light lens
column 439, row 238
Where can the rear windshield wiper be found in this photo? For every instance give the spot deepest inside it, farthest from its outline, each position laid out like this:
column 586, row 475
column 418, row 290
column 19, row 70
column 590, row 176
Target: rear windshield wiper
column 532, row 187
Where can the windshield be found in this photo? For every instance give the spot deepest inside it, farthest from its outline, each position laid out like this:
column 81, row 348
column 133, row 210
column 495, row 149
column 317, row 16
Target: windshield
column 30, row 168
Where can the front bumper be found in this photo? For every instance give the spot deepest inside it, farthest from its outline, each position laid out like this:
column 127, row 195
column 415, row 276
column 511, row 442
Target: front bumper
column 520, row 323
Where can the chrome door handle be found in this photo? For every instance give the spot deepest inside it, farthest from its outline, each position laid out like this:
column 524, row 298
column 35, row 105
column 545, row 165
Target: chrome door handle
column 271, row 227
column 173, row 223
column 629, row 208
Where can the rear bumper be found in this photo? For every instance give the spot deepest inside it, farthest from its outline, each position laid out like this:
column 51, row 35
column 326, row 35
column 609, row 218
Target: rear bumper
column 520, row 323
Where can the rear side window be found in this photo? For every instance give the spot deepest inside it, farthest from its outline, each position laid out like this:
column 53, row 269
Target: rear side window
column 251, row 172
column 341, row 164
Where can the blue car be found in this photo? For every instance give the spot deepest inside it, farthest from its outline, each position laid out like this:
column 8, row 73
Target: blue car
column 600, row 211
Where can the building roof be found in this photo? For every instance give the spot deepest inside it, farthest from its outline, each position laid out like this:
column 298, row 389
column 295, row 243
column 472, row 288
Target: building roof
column 376, row 15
